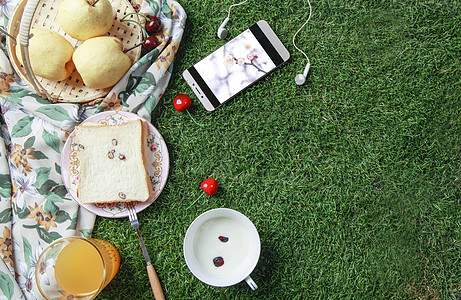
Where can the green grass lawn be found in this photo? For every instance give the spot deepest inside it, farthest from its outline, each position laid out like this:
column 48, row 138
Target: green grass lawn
column 352, row 180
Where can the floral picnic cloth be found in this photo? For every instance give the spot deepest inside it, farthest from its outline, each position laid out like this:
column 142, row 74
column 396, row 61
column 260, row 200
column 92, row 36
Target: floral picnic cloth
column 35, row 207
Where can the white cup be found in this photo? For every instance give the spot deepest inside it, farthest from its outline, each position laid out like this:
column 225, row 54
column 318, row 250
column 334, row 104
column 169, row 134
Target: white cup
column 222, row 247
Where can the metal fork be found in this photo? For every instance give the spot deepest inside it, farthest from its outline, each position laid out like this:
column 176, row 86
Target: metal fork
column 153, row 278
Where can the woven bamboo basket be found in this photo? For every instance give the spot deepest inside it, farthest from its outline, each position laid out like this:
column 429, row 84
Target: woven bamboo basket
column 43, row 14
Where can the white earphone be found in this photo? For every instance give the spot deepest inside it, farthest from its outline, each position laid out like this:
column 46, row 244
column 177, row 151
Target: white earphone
column 300, row 79
column 222, row 31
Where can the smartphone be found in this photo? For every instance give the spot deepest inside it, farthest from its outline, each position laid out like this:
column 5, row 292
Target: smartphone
column 236, row 65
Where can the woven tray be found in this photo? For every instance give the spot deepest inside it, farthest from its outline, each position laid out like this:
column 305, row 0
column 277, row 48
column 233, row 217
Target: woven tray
column 72, row 89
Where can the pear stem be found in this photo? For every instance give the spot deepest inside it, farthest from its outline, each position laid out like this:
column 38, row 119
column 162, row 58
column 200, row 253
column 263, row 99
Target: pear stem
column 94, row 3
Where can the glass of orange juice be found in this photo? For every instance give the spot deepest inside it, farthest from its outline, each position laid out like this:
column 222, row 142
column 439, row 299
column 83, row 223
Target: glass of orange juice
column 76, row 266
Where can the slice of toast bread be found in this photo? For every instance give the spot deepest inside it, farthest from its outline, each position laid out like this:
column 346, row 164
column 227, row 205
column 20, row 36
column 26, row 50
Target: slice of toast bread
column 113, row 163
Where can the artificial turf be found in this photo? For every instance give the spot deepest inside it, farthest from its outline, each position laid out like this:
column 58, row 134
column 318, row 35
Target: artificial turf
column 352, row 180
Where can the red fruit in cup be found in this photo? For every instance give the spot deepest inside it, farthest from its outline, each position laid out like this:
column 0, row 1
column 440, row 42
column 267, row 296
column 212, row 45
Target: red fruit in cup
column 223, row 239
column 181, row 102
column 218, row 261
column 154, row 25
column 150, row 43
column 209, row 186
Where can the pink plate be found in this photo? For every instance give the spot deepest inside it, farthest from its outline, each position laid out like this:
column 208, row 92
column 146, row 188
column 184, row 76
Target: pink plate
column 159, row 164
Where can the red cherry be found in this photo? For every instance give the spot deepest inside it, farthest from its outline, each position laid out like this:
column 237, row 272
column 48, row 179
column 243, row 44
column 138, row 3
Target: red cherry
column 154, row 25
column 181, row 102
column 150, row 43
column 209, row 186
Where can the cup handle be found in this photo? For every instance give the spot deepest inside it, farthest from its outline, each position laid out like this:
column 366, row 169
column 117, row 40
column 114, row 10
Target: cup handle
column 251, row 283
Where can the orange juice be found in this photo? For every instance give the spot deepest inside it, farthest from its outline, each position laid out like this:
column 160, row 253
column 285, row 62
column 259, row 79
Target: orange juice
column 79, row 268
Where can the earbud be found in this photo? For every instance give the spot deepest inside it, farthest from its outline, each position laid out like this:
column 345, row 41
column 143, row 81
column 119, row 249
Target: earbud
column 222, row 31
column 301, row 78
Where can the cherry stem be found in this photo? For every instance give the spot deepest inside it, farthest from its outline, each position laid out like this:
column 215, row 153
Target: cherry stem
column 129, row 14
column 195, row 200
column 201, row 125
column 7, row 34
column 129, row 49
column 136, row 22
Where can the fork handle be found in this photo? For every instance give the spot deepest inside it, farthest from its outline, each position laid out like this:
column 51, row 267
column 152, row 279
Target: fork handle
column 155, row 283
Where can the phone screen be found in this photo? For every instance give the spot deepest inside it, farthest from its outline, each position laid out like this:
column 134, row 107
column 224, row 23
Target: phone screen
column 234, row 66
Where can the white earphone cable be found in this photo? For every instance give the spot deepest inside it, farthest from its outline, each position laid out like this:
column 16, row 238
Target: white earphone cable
column 228, row 14
column 294, row 37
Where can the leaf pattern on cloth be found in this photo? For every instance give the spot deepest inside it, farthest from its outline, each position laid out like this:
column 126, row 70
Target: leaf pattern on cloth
column 35, row 207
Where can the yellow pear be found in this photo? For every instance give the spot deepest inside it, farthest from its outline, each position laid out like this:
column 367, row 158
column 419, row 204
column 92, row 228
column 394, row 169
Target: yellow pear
column 101, row 61
column 83, row 20
column 50, row 54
